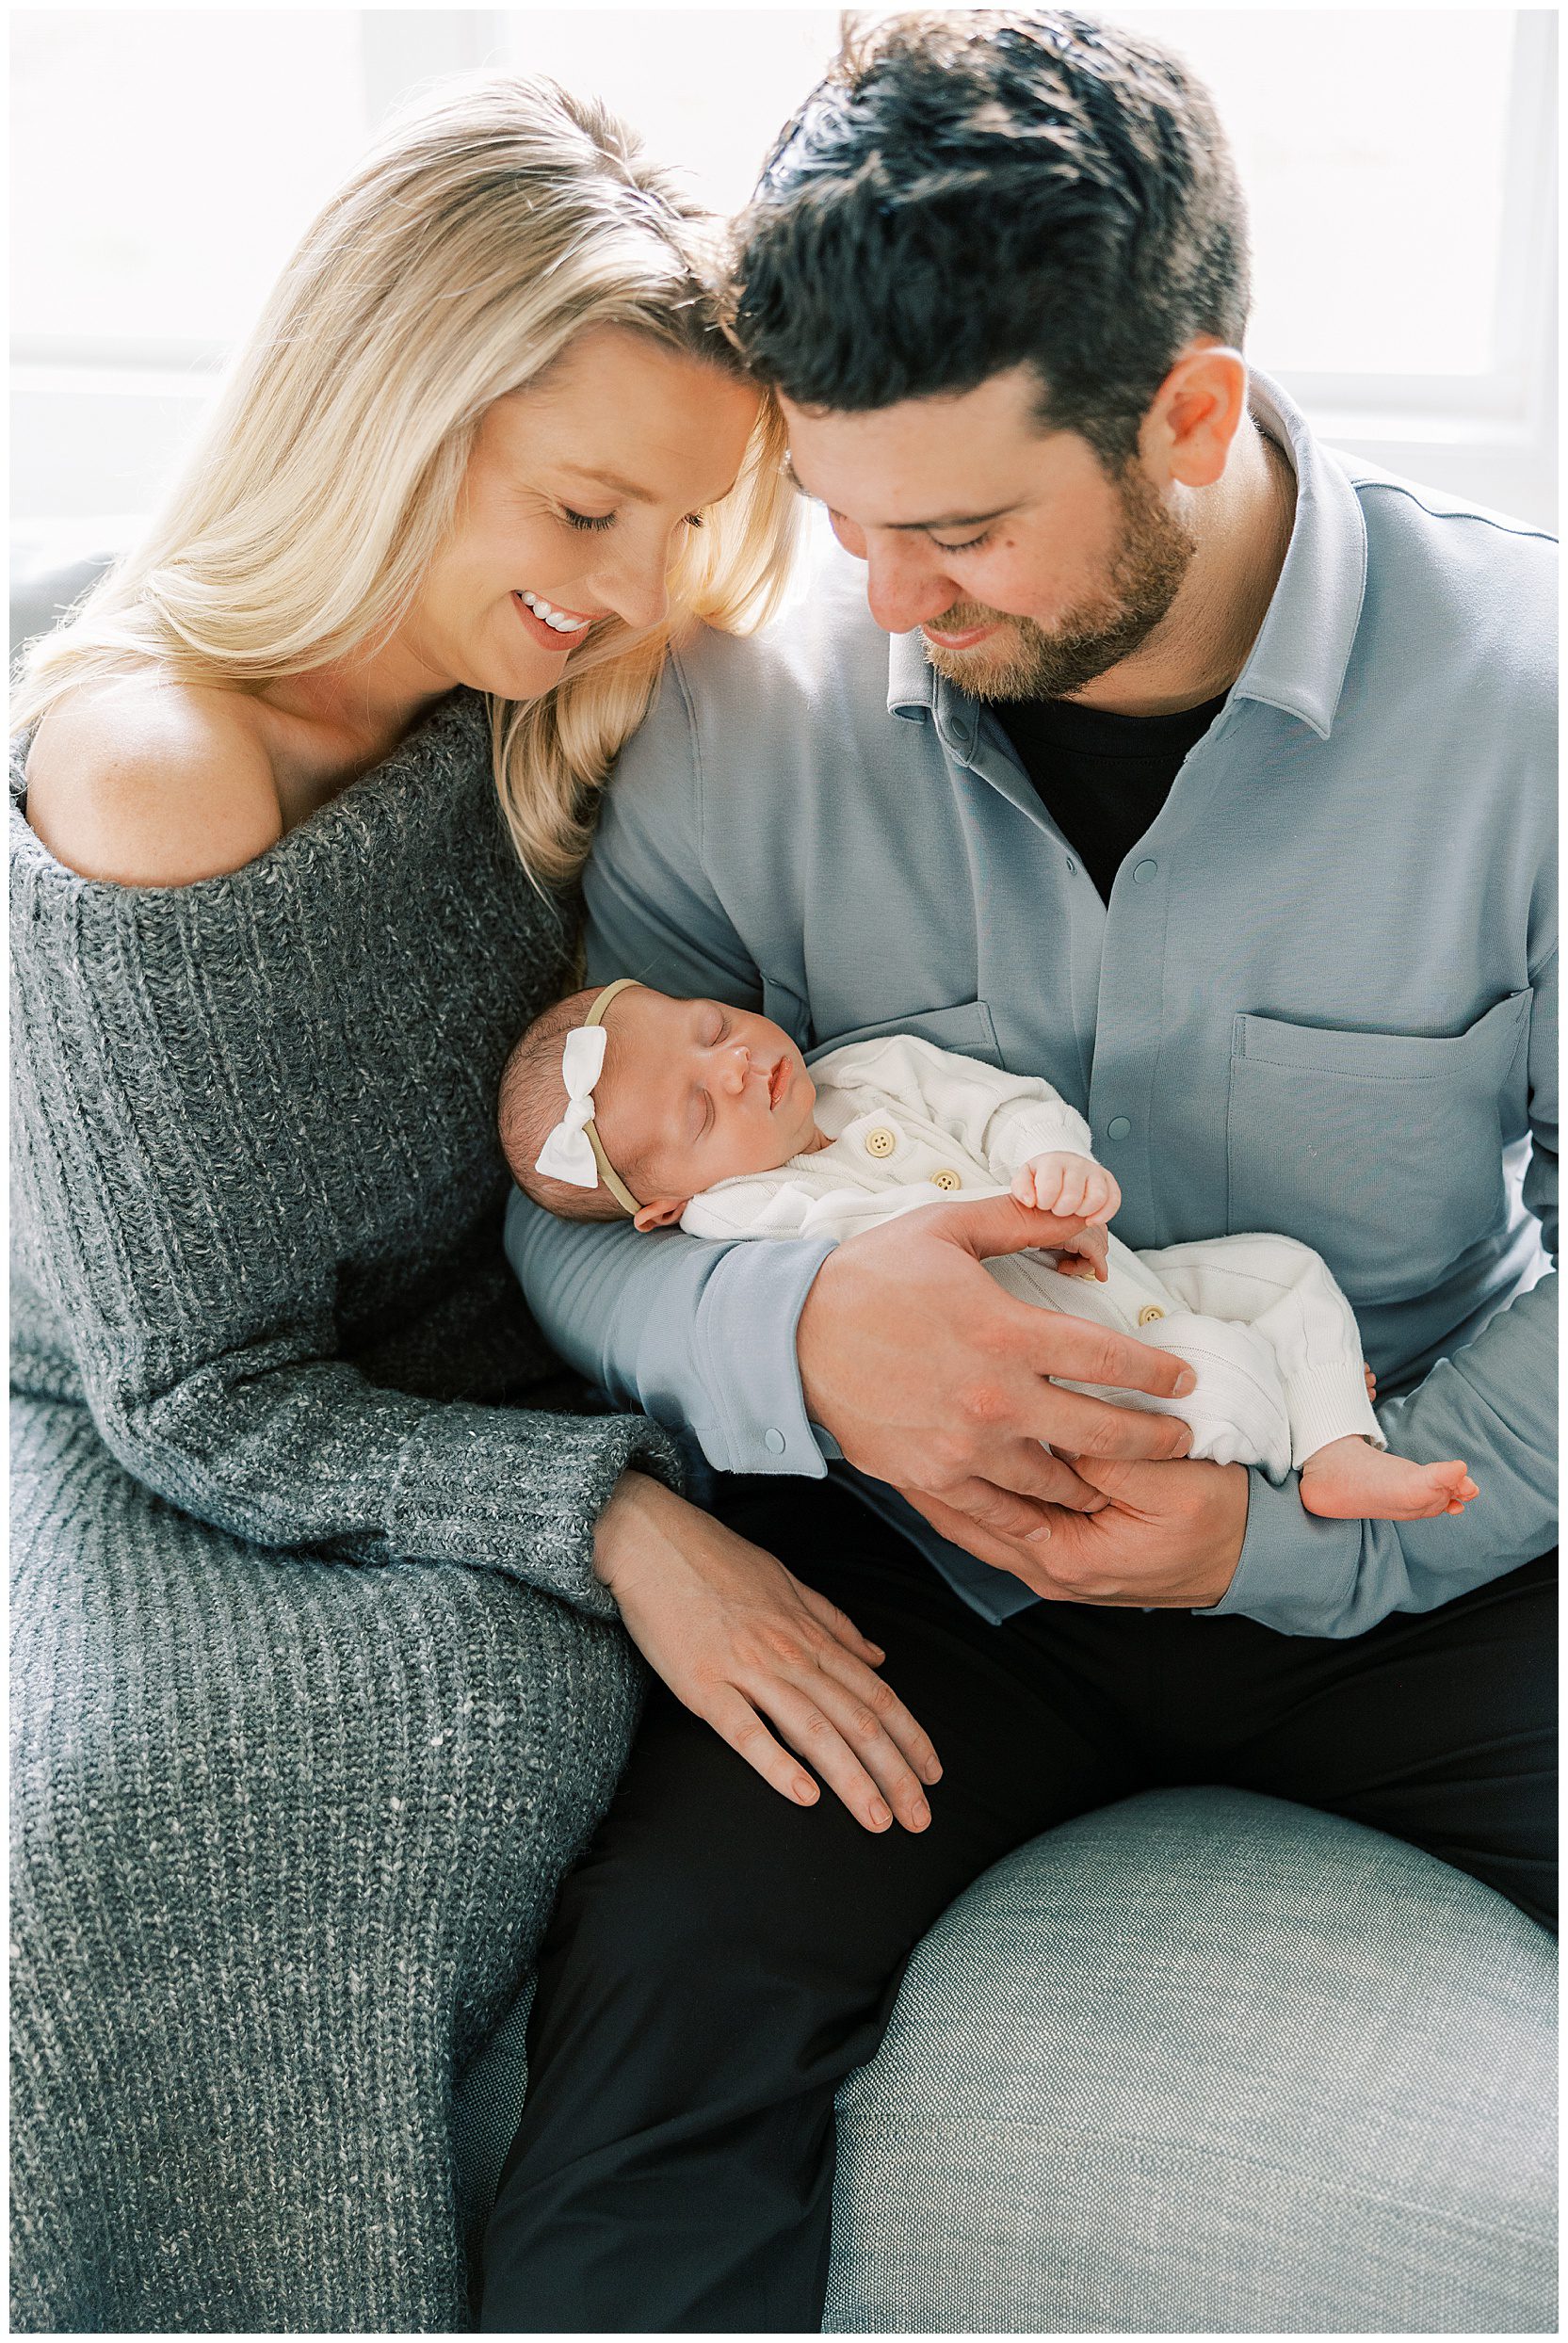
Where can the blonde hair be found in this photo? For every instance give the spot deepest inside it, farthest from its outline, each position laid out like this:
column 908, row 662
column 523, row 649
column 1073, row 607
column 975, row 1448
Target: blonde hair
column 492, row 223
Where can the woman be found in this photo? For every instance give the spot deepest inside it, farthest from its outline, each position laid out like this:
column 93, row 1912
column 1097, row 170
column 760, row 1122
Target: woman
column 291, row 1826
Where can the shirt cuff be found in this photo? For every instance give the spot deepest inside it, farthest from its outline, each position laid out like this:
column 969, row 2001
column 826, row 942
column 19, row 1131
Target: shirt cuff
column 1043, row 1131
column 745, row 1340
column 1297, row 1572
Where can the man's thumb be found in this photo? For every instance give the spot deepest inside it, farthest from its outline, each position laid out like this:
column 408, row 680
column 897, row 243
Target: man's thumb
column 994, row 1225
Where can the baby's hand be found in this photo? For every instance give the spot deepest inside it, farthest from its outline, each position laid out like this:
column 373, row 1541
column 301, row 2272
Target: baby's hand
column 1072, row 1187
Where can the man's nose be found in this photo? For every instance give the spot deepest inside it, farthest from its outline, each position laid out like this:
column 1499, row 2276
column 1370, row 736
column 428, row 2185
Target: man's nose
column 904, row 586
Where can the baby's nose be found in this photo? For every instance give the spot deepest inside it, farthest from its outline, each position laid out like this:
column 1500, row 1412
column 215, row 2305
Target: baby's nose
column 737, row 1065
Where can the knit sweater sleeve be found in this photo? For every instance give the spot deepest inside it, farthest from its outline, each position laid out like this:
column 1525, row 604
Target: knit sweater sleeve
column 169, row 1224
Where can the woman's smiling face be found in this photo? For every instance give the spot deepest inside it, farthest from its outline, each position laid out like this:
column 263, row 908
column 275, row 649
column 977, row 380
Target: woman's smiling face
column 577, row 494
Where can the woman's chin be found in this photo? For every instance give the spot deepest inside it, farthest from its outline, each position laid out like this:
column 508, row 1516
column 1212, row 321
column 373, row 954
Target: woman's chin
column 524, row 674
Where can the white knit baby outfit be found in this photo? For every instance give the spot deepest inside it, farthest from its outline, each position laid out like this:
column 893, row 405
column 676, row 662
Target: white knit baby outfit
column 1272, row 1340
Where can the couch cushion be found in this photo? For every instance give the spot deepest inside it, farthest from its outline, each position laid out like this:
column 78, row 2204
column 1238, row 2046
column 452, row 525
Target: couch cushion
column 1207, row 2062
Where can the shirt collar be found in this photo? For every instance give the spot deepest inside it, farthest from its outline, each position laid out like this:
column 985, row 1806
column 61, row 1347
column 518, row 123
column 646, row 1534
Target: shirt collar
column 1298, row 662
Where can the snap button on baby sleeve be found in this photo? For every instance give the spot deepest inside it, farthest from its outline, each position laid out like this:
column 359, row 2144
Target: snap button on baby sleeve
column 881, row 1141
column 947, row 1179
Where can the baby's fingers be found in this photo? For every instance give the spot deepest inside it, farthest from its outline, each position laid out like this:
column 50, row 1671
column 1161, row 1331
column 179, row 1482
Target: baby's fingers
column 1071, row 1187
column 736, row 1721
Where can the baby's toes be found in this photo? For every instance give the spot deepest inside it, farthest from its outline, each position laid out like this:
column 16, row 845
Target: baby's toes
column 1451, row 1485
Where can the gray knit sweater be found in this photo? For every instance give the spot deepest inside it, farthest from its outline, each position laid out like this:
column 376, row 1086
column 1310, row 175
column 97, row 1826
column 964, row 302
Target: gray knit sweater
column 287, row 1829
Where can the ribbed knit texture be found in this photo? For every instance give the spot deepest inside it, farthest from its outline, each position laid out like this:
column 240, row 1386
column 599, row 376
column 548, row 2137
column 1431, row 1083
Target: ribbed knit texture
column 287, row 1828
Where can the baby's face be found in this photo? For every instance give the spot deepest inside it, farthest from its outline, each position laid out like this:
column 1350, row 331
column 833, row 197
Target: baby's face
column 695, row 1092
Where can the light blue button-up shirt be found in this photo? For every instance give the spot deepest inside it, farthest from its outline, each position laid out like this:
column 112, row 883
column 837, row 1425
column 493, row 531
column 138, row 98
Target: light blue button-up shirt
column 1322, row 999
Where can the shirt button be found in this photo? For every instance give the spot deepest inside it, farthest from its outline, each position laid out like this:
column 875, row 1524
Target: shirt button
column 1150, row 1311
column 1117, row 1127
column 1143, row 872
column 881, row 1143
column 773, row 1441
column 946, row 1180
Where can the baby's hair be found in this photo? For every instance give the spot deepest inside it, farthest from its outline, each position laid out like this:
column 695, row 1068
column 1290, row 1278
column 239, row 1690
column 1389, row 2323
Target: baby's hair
column 532, row 1102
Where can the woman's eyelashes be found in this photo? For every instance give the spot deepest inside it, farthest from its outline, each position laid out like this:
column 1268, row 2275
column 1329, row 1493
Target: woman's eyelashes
column 606, row 520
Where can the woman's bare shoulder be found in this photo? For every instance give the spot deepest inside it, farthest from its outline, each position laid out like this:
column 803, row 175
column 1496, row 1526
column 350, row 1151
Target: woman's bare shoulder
column 152, row 783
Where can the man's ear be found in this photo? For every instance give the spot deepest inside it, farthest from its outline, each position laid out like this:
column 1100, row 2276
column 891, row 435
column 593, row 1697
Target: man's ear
column 662, row 1215
column 1196, row 414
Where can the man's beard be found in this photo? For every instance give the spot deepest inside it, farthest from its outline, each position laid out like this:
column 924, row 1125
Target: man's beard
column 1023, row 662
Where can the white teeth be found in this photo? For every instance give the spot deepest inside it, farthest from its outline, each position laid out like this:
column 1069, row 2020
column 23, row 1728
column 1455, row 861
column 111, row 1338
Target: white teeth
column 553, row 617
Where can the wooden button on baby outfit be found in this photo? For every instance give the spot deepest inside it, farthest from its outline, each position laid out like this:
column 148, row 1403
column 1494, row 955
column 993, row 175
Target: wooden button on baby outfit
column 1150, row 1311
column 881, row 1141
column 949, row 1180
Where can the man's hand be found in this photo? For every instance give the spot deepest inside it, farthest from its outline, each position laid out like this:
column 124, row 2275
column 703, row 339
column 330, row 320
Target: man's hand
column 1168, row 1536
column 929, row 1376
column 1087, row 1254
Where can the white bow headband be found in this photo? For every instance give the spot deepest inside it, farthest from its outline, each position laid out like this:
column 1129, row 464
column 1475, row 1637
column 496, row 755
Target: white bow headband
column 572, row 1151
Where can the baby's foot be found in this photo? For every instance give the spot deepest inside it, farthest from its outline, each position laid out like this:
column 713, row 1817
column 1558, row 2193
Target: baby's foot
column 1351, row 1481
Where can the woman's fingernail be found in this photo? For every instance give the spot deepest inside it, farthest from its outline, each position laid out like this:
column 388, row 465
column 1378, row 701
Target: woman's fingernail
column 805, row 1791
column 920, row 1814
column 880, row 1815
column 930, row 1771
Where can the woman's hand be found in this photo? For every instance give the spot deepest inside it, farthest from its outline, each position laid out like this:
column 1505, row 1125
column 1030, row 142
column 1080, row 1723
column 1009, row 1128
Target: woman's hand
column 737, row 1638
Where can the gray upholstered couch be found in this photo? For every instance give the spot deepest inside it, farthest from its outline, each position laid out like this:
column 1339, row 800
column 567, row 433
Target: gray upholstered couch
column 1203, row 2062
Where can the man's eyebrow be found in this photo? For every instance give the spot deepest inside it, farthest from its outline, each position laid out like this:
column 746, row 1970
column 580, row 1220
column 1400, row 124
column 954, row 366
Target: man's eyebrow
column 947, row 521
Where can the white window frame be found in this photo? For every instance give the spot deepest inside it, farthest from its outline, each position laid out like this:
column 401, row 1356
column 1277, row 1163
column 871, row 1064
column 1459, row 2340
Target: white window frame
column 1499, row 427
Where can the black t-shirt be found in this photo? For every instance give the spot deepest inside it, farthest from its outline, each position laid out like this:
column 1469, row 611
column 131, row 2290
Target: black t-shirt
column 1102, row 778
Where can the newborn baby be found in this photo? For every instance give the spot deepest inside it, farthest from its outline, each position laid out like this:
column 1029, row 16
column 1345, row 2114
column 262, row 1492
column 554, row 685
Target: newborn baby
column 691, row 1111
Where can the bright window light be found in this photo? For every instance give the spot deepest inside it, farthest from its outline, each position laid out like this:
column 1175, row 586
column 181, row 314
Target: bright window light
column 165, row 162
column 1372, row 144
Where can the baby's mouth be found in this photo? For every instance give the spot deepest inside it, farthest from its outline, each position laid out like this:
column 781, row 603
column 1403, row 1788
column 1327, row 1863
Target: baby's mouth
column 776, row 1083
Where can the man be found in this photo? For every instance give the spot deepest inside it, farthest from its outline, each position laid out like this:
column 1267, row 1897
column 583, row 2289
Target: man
column 1214, row 785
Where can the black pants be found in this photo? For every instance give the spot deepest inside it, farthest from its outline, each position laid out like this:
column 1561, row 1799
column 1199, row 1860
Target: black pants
column 720, row 1960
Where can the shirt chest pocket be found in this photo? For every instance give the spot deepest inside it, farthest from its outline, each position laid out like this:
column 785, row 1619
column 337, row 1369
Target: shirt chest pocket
column 1383, row 1150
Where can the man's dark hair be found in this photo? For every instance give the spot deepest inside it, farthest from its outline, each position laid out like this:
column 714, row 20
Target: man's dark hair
column 969, row 191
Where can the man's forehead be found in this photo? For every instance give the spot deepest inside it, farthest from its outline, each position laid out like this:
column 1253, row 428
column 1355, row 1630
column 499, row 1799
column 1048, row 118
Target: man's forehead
column 929, row 463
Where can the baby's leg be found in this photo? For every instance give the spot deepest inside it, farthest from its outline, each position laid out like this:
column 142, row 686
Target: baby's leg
column 1237, row 1412
column 1284, row 1292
